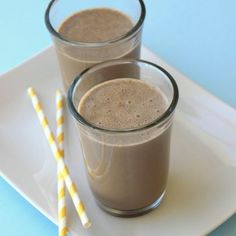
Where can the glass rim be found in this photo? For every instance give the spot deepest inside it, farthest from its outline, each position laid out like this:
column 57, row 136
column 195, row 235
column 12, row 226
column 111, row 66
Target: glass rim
column 168, row 112
column 121, row 38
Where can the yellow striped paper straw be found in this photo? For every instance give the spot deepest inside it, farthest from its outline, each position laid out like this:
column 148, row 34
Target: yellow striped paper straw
column 60, row 182
column 57, row 154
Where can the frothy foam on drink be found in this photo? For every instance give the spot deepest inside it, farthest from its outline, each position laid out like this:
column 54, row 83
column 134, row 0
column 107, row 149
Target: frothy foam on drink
column 96, row 25
column 122, row 104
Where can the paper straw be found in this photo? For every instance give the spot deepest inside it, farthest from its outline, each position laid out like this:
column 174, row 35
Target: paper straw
column 57, row 154
column 61, row 197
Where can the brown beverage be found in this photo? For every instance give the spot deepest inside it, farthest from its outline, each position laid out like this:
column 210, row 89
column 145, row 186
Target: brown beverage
column 93, row 26
column 132, row 173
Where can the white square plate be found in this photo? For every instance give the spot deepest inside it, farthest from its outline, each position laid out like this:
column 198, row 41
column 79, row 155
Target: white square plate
column 201, row 189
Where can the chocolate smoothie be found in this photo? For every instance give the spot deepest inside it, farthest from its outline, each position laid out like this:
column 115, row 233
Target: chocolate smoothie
column 125, row 173
column 97, row 25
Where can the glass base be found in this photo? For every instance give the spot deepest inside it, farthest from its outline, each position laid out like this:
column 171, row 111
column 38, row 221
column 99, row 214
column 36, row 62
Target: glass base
column 132, row 213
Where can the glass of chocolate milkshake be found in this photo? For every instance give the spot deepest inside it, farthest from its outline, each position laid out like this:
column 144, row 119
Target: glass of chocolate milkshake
column 124, row 111
column 87, row 32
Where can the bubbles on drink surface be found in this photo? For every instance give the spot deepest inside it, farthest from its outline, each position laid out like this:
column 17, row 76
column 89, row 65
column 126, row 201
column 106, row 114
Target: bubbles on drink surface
column 122, row 104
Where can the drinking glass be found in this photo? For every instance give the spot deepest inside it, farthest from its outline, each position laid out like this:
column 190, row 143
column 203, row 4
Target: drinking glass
column 75, row 56
column 127, row 169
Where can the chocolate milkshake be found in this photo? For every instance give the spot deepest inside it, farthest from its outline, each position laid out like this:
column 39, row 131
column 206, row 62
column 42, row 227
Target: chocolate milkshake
column 93, row 26
column 125, row 174
column 124, row 123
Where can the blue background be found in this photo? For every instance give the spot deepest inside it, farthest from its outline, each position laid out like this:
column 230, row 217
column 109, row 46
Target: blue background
column 196, row 37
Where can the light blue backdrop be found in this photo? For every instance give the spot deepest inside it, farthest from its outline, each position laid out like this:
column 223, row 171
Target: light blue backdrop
column 196, row 37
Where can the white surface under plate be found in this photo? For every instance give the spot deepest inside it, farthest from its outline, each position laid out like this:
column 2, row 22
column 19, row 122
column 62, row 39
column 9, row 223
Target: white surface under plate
column 201, row 189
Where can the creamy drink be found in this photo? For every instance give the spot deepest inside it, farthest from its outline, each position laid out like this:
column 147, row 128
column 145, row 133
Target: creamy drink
column 136, row 173
column 93, row 26
column 89, row 36
column 125, row 127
